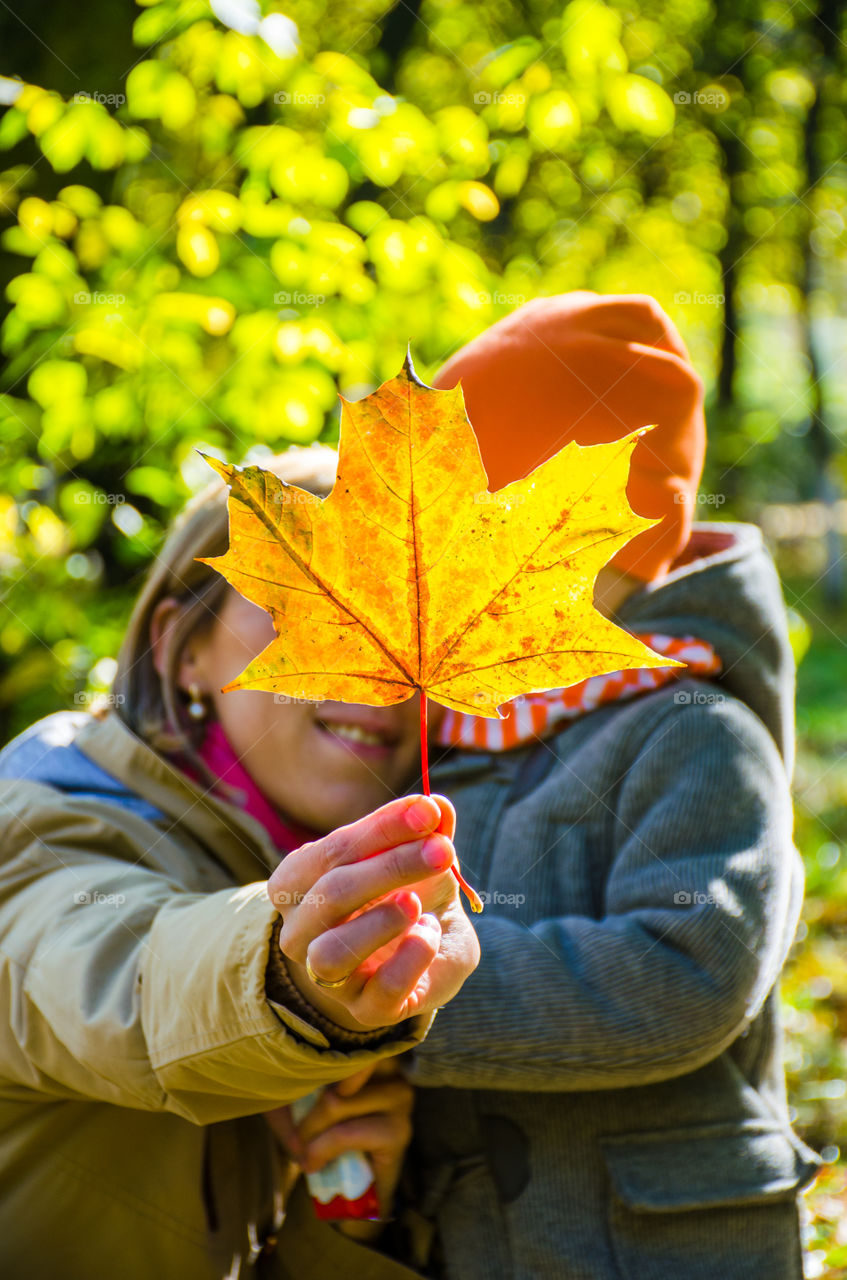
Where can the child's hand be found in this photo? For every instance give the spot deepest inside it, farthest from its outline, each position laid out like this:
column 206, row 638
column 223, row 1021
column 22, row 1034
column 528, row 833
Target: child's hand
column 370, row 1113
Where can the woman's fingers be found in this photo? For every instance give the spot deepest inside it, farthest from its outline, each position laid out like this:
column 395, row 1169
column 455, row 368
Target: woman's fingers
column 361, row 908
column 348, row 886
column 345, row 890
column 401, row 822
column 392, row 992
column 338, row 952
column 395, row 823
column 428, row 979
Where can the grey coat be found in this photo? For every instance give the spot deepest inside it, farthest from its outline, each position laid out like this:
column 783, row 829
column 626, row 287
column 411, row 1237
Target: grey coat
column 604, row 1099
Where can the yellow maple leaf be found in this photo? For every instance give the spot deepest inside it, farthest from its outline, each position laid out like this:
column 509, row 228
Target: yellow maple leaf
column 411, row 576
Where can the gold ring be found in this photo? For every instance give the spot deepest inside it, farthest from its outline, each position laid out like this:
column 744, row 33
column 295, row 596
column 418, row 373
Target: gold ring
column 322, row 982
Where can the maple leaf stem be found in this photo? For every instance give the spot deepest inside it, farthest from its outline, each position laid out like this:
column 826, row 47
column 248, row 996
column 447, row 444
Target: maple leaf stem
column 424, row 747
column 468, row 889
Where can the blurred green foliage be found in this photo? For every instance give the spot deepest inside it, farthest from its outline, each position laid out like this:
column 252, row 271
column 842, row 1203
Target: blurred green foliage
column 815, row 983
column 217, row 219
column 257, row 210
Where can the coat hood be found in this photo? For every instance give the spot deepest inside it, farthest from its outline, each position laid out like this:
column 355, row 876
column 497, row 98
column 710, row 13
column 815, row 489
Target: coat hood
column 47, row 753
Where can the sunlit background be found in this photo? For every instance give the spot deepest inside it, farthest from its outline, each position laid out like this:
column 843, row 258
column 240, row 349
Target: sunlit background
column 217, row 216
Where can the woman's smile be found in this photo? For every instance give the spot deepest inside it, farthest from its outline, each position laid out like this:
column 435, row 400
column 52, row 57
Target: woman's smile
column 352, row 732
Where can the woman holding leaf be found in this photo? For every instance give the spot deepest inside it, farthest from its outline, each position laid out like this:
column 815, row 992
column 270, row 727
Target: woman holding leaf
column 162, row 1005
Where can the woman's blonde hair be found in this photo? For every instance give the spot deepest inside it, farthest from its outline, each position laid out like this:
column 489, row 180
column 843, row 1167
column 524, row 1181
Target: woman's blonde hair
column 153, row 706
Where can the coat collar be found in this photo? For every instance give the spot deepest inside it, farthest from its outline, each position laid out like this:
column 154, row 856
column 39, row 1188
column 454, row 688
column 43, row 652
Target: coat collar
column 233, row 838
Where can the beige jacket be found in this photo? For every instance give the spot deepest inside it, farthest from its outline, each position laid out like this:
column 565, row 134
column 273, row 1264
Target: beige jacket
column 138, row 1046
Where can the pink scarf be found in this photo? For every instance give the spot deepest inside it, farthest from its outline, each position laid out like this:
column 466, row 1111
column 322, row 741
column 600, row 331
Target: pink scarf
column 219, row 757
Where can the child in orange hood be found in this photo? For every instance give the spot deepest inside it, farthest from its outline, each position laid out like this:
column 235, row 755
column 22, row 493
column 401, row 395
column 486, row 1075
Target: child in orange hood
column 604, row 1098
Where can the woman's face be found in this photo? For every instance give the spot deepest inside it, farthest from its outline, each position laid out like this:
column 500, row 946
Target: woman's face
column 322, row 763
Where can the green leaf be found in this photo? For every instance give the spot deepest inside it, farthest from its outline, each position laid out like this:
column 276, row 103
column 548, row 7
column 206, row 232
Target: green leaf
column 634, row 102
column 12, row 128
column 54, row 381
column 65, row 142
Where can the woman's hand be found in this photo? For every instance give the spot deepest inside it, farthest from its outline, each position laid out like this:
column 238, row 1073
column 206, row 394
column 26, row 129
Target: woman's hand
column 374, row 906
column 369, row 1112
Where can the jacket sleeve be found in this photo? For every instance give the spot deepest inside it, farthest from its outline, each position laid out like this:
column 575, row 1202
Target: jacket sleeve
column 702, row 897
column 122, row 987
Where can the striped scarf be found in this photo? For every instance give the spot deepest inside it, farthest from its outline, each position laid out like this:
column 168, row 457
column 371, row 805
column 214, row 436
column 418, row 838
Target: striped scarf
column 535, row 715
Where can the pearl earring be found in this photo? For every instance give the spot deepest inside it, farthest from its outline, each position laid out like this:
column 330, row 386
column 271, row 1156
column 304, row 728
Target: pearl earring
column 196, row 707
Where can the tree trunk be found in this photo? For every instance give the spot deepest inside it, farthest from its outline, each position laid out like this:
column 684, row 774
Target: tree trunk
column 821, row 439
